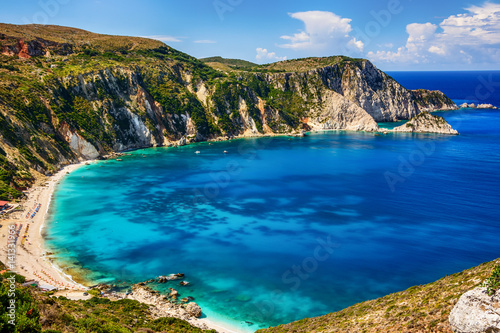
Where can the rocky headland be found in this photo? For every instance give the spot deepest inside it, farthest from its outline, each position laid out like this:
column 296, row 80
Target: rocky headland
column 426, row 123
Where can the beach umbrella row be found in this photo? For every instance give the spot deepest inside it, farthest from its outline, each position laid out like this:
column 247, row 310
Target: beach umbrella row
column 25, row 234
column 33, row 211
column 47, row 278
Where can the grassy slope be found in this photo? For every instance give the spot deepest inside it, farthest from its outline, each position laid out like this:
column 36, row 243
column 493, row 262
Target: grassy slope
column 418, row 309
column 305, row 64
column 237, row 63
column 294, row 65
column 78, row 37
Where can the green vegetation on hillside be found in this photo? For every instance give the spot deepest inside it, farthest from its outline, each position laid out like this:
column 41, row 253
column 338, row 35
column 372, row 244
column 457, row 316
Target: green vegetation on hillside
column 288, row 66
column 305, row 64
column 431, row 98
column 493, row 282
column 39, row 94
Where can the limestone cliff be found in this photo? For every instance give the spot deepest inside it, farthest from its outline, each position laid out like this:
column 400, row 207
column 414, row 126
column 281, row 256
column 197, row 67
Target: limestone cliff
column 426, row 123
column 68, row 95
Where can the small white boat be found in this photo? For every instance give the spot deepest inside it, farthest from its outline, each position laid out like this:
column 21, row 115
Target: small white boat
column 198, row 152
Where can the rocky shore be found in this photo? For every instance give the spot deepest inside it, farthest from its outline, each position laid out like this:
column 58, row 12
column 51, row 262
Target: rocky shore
column 166, row 306
column 173, row 305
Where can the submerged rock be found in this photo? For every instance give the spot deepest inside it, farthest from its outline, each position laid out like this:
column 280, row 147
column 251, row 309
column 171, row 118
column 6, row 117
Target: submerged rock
column 476, row 312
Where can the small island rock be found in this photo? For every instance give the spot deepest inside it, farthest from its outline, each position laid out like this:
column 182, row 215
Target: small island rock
column 478, row 106
column 426, row 123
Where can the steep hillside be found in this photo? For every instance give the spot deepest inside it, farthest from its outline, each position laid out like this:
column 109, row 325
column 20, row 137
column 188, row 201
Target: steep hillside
column 423, row 308
column 68, row 95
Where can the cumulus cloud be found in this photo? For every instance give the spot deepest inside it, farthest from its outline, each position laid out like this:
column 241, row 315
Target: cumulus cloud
column 264, row 54
column 471, row 37
column 323, row 31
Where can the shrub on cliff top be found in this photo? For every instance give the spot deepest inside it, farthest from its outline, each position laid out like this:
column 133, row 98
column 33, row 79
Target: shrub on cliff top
column 493, row 282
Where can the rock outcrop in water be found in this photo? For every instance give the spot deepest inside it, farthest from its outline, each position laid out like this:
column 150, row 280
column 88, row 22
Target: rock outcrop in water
column 476, row 312
column 478, row 106
column 68, row 95
column 426, row 123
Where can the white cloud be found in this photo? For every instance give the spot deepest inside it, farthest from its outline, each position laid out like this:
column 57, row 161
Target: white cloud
column 324, row 31
column 264, row 54
column 165, row 38
column 471, row 37
column 437, row 50
column 205, row 41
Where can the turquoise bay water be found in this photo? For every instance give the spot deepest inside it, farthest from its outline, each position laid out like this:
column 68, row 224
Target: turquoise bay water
column 284, row 228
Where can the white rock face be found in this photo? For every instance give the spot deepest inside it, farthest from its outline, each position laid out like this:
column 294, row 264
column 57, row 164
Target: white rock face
column 83, row 147
column 248, row 123
column 338, row 113
column 426, row 123
column 78, row 144
column 347, row 96
column 476, row 312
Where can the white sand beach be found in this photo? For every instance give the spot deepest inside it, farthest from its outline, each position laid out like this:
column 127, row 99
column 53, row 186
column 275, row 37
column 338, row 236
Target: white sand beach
column 31, row 256
column 34, row 262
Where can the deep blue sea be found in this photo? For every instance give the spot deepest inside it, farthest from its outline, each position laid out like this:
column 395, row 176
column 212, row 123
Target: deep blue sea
column 471, row 86
column 284, row 228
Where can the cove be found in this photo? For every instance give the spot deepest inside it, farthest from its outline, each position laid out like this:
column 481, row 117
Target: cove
column 279, row 229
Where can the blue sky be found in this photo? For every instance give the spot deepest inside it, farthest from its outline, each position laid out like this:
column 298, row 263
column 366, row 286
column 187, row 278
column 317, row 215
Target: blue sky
column 394, row 34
